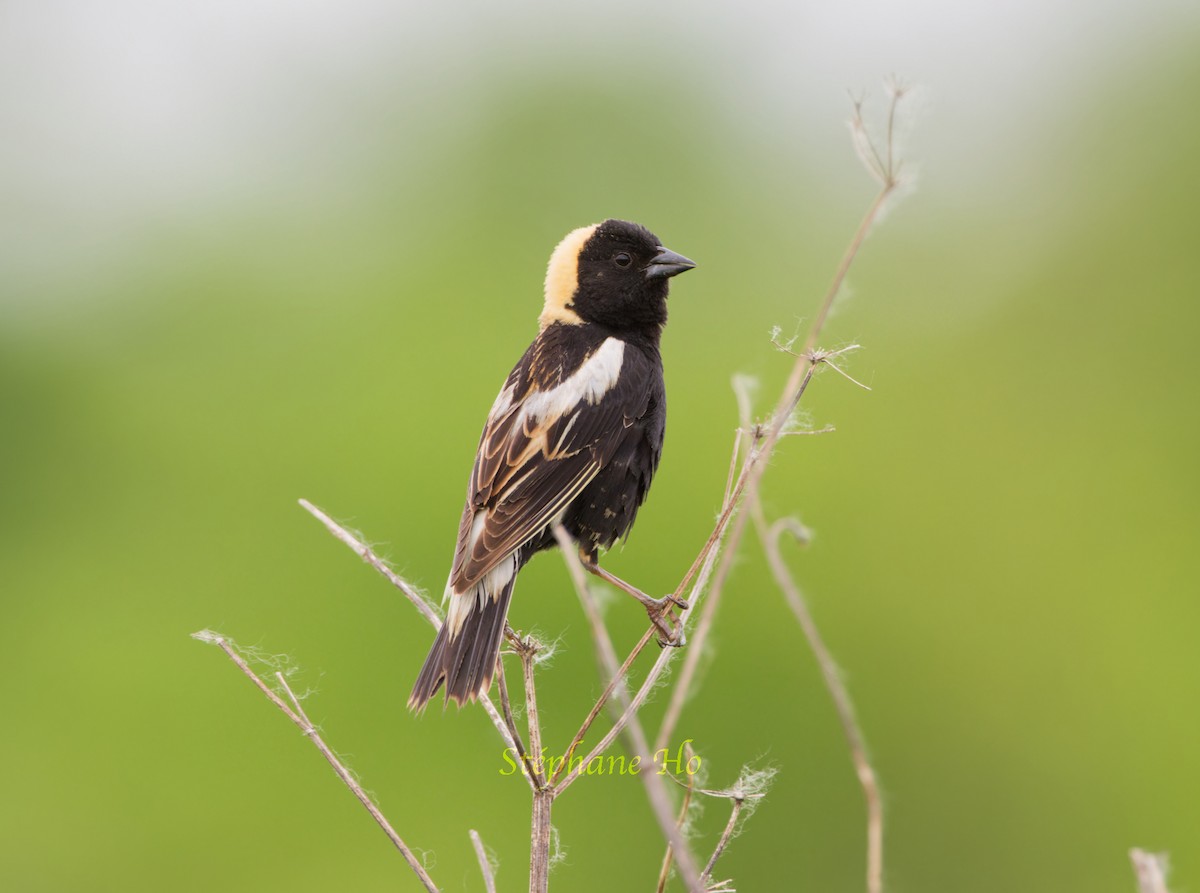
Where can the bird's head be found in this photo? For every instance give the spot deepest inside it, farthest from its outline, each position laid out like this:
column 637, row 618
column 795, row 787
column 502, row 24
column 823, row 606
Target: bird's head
column 615, row 273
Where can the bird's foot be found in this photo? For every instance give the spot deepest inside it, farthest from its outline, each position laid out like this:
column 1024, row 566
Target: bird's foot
column 661, row 610
column 670, row 627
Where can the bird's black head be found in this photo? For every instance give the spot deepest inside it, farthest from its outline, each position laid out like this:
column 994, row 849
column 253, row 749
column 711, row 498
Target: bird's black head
column 614, row 273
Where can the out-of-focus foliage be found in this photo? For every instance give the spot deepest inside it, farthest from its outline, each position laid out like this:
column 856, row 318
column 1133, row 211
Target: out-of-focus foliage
column 1004, row 562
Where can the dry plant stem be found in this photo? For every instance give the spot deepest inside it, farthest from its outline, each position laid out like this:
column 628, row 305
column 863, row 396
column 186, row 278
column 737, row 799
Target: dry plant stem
column 485, row 867
column 656, row 790
column 527, row 653
column 298, row 716
column 422, row 604
column 837, row 691
column 539, row 843
column 802, row 370
column 738, row 803
column 543, row 796
column 511, row 723
column 665, row 874
column 410, row 592
column 1151, row 871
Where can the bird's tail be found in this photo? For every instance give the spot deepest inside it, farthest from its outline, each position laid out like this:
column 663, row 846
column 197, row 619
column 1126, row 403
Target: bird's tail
column 465, row 658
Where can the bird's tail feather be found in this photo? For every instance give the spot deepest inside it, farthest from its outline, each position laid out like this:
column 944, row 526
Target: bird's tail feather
column 466, row 660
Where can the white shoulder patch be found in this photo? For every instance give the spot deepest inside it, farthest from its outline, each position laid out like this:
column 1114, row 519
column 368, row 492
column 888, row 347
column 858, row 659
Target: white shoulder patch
column 590, row 382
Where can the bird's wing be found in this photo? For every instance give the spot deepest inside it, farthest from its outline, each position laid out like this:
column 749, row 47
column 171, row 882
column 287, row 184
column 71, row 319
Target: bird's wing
column 542, row 445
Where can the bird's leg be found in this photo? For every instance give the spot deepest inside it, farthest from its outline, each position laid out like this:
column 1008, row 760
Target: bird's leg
column 657, row 608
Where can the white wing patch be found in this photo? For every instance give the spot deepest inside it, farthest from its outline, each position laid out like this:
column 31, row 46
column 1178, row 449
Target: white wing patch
column 595, row 377
column 591, row 381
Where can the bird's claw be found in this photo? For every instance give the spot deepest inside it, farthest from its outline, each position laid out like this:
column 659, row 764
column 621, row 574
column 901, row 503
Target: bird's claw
column 664, row 609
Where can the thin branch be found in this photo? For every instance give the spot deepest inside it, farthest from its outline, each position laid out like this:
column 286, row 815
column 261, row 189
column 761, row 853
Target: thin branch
column 745, row 793
column 738, row 803
column 511, row 724
column 485, row 865
column 420, row 602
column 543, row 796
column 1151, row 870
column 527, row 652
column 846, row 375
column 301, row 720
column 837, row 691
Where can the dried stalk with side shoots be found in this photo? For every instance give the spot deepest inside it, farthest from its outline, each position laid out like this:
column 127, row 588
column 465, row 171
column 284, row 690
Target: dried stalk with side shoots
column 763, row 439
column 702, row 587
column 297, row 715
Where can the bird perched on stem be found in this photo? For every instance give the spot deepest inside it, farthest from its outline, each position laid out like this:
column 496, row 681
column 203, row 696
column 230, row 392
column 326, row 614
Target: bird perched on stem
column 573, row 438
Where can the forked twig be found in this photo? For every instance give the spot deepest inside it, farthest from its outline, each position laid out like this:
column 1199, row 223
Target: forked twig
column 297, row 715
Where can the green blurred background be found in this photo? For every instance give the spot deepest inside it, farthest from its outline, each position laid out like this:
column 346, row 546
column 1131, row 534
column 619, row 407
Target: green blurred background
column 256, row 252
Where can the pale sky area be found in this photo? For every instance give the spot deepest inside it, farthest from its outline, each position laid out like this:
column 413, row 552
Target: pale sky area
column 118, row 115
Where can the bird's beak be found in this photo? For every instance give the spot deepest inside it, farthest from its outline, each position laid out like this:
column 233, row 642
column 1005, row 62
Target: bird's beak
column 667, row 263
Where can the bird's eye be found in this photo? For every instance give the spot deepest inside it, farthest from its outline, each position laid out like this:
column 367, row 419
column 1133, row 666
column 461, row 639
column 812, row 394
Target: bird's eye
column 623, row 260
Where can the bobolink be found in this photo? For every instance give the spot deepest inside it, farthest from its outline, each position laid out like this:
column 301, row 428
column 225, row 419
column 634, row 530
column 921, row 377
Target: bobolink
column 574, row 437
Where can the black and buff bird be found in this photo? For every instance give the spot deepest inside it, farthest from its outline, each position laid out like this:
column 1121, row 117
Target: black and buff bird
column 573, row 438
